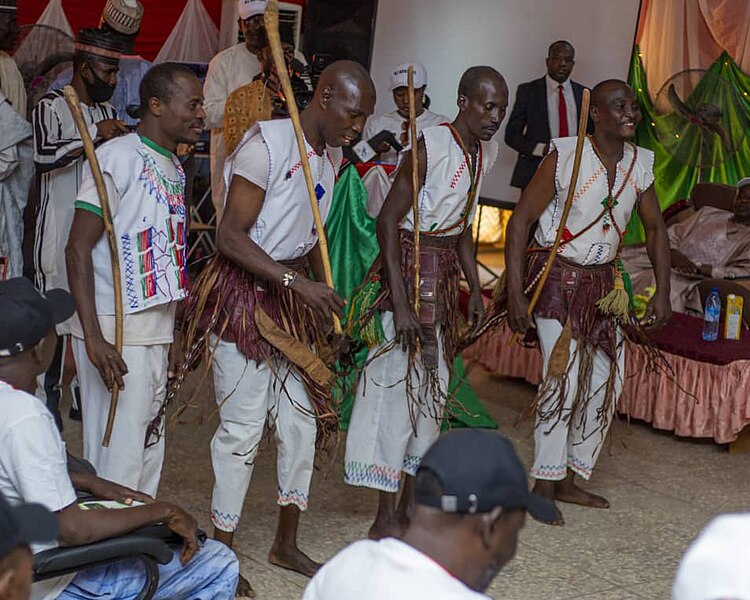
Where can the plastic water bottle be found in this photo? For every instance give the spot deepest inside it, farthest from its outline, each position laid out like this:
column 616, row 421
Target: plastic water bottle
column 711, row 316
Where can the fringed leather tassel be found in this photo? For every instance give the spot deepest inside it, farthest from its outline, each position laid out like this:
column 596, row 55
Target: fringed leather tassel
column 558, row 361
column 617, row 302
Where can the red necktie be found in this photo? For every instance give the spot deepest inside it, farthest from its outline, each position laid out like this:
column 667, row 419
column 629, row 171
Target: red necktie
column 562, row 111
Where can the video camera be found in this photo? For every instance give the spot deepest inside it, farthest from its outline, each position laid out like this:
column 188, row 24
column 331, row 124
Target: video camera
column 299, row 76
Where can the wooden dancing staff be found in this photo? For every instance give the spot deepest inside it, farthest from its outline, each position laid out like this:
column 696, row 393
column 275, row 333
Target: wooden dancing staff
column 414, row 184
column 271, row 20
column 88, row 148
column 583, row 119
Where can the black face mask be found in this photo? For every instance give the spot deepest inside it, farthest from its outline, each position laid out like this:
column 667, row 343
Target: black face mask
column 98, row 90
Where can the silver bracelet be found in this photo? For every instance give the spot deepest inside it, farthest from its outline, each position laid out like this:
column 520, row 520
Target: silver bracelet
column 288, row 278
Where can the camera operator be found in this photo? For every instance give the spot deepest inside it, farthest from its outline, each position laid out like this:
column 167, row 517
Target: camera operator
column 262, row 99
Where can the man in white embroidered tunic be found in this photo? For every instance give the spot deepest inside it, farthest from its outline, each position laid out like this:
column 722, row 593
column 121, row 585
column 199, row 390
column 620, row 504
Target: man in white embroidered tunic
column 266, row 318
column 145, row 184
column 579, row 326
column 59, row 159
column 402, row 390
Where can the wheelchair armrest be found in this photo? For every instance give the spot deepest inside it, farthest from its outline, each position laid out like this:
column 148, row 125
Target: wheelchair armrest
column 164, row 533
column 61, row 561
column 152, row 542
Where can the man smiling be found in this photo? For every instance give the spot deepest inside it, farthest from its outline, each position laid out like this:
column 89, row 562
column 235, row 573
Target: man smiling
column 145, row 184
column 580, row 332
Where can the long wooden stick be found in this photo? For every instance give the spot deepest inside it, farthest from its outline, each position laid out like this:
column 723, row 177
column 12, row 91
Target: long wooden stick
column 583, row 119
column 271, row 20
column 414, row 184
column 88, row 148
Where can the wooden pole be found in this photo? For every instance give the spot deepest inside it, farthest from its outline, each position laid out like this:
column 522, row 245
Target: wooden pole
column 271, row 19
column 414, row 185
column 88, row 148
column 583, row 120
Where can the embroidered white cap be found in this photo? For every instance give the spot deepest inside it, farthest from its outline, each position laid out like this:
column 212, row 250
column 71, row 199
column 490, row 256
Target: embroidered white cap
column 717, row 563
column 743, row 182
column 399, row 76
column 250, row 8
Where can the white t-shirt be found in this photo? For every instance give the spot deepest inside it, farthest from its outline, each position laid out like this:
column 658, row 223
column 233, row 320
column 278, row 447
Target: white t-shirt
column 385, row 570
column 33, row 466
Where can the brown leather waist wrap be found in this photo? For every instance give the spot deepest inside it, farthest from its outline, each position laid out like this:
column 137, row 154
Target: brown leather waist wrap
column 570, row 293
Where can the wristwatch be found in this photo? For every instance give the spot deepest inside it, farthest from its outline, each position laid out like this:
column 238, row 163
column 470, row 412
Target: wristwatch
column 288, row 278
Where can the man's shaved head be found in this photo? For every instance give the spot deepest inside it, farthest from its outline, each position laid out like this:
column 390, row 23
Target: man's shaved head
column 344, row 98
column 473, row 78
column 601, row 91
column 482, row 102
column 344, row 73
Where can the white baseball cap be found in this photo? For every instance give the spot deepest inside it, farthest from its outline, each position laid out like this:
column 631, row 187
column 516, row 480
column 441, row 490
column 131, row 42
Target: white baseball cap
column 743, row 182
column 399, row 75
column 250, row 8
column 717, row 563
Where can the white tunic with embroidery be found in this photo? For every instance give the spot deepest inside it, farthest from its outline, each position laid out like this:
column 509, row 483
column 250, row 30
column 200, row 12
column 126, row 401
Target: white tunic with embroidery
column 285, row 228
column 600, row 243
column 443, row 206
column 150, row 223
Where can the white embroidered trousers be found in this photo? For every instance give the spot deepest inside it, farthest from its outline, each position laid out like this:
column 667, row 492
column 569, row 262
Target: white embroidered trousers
column 384, row 439
column 573, row 443
column 125, row 461
column 248, row 394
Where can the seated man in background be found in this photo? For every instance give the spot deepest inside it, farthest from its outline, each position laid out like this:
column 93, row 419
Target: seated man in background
column 33, row 468
column 711, row 243
column 19, row 528
column 471, row 497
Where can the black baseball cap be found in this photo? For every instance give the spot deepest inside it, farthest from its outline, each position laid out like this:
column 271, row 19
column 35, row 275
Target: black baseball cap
column 27, row 315
column 24, row 525
column 479, row 470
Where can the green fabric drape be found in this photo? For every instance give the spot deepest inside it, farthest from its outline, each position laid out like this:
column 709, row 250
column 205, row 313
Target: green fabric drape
column 674, row 179
column 352, row 247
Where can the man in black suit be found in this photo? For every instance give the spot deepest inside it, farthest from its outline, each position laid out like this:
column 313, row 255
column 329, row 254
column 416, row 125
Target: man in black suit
column 545, row 108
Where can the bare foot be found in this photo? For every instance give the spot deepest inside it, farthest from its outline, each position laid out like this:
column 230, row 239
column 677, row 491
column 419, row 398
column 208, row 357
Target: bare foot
column 244, row 589
column 567, row 491
column 383, row 528
column 546, row 489
column 293, row 559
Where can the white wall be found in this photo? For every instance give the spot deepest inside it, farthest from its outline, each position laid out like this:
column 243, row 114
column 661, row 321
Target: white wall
column 448, row 36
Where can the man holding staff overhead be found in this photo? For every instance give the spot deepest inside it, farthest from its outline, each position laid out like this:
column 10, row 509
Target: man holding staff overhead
column 424, row 228
column 144, row 184
column 262, row 310
column 583, row 195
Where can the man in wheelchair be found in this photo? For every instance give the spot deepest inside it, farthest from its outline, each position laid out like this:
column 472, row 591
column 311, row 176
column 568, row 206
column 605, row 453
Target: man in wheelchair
column 33, row 468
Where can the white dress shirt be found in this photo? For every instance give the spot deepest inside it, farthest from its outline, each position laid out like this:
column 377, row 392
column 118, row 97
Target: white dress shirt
column 553, row 114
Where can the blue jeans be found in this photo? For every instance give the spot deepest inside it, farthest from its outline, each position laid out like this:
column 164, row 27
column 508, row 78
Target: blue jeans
column 210, row 575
